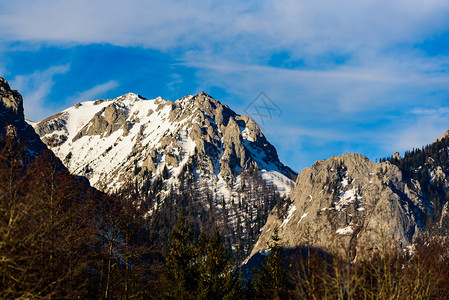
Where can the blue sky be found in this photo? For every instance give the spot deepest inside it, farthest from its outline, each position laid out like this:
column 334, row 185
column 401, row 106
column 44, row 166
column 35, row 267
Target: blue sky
column 367, row 76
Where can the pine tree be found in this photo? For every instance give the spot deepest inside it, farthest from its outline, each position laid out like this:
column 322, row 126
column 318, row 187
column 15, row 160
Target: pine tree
column 181, row 267
column 217, row 279
column 272, row 281
column 165, row 173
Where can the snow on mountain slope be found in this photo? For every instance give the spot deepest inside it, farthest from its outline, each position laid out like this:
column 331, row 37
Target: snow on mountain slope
column 111, row 141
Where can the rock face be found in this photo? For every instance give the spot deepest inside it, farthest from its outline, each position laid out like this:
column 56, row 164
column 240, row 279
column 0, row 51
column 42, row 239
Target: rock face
column 11, row 103
column 348, row 204
column 12, row 119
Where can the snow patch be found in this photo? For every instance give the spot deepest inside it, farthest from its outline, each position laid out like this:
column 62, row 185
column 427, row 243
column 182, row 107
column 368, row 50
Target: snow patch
column 302, row 217
column 346, row 198
column 345, row 231
column 291, row 210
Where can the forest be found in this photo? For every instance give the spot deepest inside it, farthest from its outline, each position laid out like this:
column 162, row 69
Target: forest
column 62, row 239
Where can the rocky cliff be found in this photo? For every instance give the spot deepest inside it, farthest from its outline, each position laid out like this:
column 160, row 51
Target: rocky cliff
column 350, row 205
column 12, row 119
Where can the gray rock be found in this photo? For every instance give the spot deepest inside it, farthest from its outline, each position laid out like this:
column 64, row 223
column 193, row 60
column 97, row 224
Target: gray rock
column 105, row 122
column 12, row 119
column 348, row 204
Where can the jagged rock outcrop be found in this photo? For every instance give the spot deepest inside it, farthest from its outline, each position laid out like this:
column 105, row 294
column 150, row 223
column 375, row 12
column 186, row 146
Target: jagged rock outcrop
column 13, row 124
column 12, row 119
column 349, row 204
column 11, row 103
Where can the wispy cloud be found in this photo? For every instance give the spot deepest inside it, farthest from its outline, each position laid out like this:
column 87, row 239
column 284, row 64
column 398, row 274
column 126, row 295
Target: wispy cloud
column 355, row 88
column 305, row 26
column 92, row 93
column 35, row 88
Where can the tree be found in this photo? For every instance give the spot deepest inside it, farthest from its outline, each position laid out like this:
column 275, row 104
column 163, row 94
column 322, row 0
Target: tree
column 165, row 173
column 181, row 266
column 45, row 227
column 218, row 280
column 272, row 281
column 121, row 245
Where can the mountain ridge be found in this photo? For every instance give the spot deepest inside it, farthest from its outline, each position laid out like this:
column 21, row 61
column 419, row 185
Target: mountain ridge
column 237, row 132
column 12, row 120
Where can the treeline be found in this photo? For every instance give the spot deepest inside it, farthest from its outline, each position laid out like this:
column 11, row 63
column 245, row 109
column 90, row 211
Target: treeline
column 419, row 272
column 59, row 238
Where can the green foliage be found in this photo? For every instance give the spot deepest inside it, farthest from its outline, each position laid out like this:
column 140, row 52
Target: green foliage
column 218, row 281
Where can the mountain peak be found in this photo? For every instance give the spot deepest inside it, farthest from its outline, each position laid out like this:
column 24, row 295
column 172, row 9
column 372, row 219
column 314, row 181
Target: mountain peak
column 11, row 102
column 156, row 134
column 194, row 144
column 351, row 201
column 4, row 84
column 12, row 119
column 132, row 96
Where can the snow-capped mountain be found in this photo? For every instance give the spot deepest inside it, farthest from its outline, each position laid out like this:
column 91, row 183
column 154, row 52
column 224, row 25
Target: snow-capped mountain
column 111, row 141
column 156, row 144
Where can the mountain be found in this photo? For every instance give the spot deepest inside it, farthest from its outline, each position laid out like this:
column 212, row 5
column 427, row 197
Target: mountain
column 195, row 146
column 107, row 140
column 349, row 204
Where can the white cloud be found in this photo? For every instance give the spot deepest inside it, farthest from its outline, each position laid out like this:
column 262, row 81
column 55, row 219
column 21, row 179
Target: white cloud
column 241, row 27
column 176, row 80
column 381, row 84
column 35, row 88
column 231, row 42
column 92, row 93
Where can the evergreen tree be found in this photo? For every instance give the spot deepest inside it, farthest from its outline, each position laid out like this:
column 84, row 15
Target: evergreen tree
column 165, row 173
column 272, row 281
column 218, row 281
column 181, row 267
